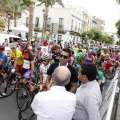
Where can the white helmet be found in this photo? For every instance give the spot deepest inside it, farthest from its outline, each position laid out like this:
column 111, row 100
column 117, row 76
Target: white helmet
column 46, row 56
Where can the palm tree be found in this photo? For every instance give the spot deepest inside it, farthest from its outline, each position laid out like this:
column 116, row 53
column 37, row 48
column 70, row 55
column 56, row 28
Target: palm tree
column 118, row 1
column 16, row 7
column 48, row 3
column 31, row 5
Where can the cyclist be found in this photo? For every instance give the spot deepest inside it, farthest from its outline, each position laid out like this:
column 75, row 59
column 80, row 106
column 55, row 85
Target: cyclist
column 56, row 53
column 79, row 59
column 3, row 60
column 17, row 56
column 28, row 59
column 39, row 53
column 43, row 72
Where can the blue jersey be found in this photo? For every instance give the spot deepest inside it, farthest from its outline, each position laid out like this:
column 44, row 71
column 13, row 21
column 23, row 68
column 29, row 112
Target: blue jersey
column 4, row 57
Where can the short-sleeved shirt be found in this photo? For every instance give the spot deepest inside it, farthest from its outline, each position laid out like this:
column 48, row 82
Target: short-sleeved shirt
column 17, row 54
column 4, row 57
column 74, row 75
column 43, row 69
column 27, row 56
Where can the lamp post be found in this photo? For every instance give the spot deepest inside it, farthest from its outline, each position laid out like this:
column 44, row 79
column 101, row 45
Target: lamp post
column 8, row 15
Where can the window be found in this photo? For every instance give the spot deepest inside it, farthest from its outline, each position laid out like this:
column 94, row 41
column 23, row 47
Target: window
column 61, row 21
column 36, row 22
column 72, row 24
column 49, row 21
column 27, row 21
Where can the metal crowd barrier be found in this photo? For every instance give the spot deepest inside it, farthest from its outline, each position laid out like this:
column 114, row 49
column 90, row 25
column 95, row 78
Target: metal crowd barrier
column 108, row 102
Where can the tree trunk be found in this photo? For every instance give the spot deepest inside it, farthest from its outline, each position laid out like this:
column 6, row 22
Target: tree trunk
column 15, row 19
column 31, row 14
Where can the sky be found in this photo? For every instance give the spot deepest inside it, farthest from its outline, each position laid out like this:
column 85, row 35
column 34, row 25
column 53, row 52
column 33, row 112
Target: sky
column 107, row 10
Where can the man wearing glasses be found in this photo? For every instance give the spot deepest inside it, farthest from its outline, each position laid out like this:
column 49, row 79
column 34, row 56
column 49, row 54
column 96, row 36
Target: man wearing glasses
column 64, row 58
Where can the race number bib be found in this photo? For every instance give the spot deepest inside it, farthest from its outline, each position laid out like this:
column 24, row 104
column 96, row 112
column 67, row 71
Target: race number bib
column 26, row 64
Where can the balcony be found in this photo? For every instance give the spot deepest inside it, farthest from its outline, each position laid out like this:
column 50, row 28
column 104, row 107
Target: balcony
column 36, row 27
column 72, row 28
column 61, row 28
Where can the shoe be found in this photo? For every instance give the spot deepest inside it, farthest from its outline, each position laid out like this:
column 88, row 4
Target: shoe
column 4, row 94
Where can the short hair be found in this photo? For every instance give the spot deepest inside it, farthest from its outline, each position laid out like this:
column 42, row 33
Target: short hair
column 89, row 70
column 61, row 80
column 67, row 50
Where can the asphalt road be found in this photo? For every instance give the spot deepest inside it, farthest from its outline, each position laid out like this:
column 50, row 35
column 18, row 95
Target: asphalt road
column 9, row 109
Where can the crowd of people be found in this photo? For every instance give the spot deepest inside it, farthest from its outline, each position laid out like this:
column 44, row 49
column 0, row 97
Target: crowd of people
column 72, row 79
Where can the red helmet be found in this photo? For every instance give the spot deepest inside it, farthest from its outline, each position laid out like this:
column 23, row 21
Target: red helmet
column 55, row 47
column 2, row 47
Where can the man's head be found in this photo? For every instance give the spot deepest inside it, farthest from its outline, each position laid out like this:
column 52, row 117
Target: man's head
column 65, row 56
column 87, row 72
column 61, row 76
column 24, row 46
column 13, row 47
column 6, row 40
column 55, row 49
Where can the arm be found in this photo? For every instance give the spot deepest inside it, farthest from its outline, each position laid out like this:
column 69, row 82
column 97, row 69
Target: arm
column 99, row 82
column 32, row 66
column 74, row 87
column 8, row 60
column 47, row 82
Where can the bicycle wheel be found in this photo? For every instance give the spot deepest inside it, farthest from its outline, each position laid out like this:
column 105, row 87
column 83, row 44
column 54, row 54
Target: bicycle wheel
column 22, row 95
column 10, row 87
column 26, row 112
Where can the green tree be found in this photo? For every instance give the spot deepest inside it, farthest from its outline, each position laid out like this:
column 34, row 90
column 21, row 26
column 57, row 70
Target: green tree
column 16, row 7
column 118, row 27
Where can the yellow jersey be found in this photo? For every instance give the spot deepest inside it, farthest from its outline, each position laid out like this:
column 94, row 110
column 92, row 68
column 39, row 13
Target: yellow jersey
column 17, row 54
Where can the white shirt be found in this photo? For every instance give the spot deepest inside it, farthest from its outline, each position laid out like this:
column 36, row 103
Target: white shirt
column 55, row 104
column 89, row 100
column 43, row 69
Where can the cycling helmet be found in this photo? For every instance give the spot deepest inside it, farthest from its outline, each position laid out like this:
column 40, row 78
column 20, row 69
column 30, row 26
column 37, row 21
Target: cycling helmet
column 55, row 47
column 79, row 56
column 2, row 47
column 46, row 56
column 93, row 52
column 24, row 44
column 38, row 48
column 89, row 51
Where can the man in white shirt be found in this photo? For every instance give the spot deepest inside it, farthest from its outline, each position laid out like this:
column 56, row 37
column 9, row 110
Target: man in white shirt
column 88, row 96
column 57, row 103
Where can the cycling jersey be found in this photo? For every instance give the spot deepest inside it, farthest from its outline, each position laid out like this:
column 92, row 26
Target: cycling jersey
column 43, row 70
column 4, row 57
column 27, row 57
column 17, row 54
column 115, row 56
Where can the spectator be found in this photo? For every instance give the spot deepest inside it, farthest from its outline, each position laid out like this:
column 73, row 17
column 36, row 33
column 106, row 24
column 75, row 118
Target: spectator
column 64, row 58
column 57, row 103
column 5, row 44
column 88, row 94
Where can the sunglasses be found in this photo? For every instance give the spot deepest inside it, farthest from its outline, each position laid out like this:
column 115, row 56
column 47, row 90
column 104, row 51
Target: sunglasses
column 65, row 57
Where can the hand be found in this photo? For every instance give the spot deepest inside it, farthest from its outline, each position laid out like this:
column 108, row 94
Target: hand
column 13, row 70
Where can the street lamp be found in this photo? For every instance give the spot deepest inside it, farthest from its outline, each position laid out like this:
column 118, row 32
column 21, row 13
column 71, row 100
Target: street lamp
column 9, row 16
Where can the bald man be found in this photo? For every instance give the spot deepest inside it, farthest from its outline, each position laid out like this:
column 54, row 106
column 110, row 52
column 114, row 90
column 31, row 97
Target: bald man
column 56, row 103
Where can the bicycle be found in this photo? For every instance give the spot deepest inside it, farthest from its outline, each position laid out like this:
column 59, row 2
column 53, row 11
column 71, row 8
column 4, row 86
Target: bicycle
column 10, row 80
